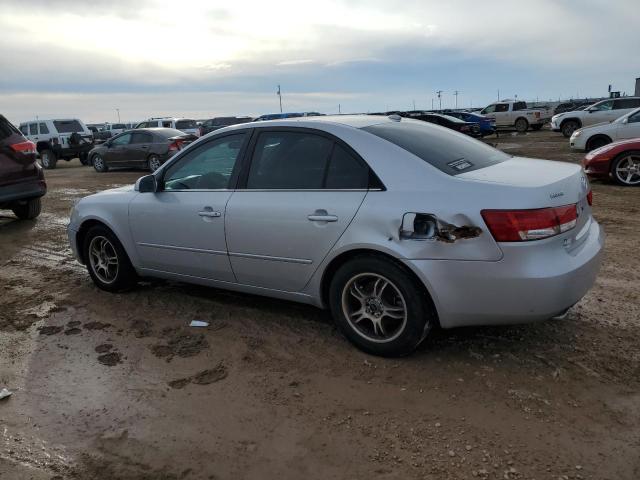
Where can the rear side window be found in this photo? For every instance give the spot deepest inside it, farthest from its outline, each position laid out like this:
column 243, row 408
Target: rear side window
column 345, row 171
column 186, row 124
column 43, row 128
column 140, row 137
column 7, row 129
column 519, row 106
column 165, row 124
column 33, row 129
column 624, row 103
column 68, row 126
column 289, row 161
column 445, row 149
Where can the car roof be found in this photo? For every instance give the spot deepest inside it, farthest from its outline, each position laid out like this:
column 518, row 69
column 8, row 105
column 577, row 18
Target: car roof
column 356, row 121
column 52, row 120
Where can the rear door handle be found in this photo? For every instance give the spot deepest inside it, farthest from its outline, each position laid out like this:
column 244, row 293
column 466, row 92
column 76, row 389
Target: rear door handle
column 322, row 216
column 209, row 212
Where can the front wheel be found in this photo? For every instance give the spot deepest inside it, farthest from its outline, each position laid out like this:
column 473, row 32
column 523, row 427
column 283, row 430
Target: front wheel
column 154, row 163
column 625, row 169
column 27, row 210
column 379, row 307
column 48, row 159
column 99, row 164
column 522, row 125
column 107, row 262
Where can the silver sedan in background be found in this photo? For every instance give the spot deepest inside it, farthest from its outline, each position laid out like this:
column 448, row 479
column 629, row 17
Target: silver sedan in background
column 395, row 225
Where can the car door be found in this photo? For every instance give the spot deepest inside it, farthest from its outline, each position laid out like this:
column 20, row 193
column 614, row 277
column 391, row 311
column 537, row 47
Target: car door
column 630, row 129
column 115, row 154
column 138, row 149
column 290, row 209
column 600, row 112
column 502, row 115
column 180, row 228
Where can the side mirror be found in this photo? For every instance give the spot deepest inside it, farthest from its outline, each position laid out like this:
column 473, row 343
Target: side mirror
column 146, row 184
column 626, row 120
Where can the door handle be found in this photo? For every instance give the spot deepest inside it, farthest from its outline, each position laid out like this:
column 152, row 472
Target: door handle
column 322, row 216
column 209, row 213
column 144, row 146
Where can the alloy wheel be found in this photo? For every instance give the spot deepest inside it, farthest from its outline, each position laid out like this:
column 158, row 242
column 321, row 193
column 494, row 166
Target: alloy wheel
column 374, row 307
column 627, row 169
column 154, row 163
column 98, row 163
column 103, row 259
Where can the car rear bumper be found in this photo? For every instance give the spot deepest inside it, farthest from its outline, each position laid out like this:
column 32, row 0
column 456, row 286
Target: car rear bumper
column 22, row 191
column 524, row 286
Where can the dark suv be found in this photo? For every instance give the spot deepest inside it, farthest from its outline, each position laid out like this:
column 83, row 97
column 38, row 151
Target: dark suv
column 21, row 178
column 212, row 124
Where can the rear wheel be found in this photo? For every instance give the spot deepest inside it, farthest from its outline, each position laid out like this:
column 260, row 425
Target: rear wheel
column 99, row 164
column 107, row 262
column 569, row 127
column 522, row 125
column 379, row 307
column 27, row 210
column 48, row 159
column 625, row 169
column 154, row 163
column 597, row 142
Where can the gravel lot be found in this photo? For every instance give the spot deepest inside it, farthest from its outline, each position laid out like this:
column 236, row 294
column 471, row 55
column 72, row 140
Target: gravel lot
column 118, row 386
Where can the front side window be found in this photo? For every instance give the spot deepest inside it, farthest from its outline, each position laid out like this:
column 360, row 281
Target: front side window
column 289, row 161
column 635, row 118
column 33, row 129
column 208, row 167
column 43, row 128
column 502, row 107
column 121, row 140
column 602, row 107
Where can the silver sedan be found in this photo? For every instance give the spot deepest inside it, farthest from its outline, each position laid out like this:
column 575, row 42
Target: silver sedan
column 395, row 225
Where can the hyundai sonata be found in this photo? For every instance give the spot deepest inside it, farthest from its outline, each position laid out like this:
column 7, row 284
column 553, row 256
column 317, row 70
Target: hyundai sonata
column 395, row 225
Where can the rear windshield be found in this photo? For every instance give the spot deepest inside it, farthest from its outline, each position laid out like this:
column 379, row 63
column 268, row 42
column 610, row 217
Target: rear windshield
column 68, row 126
column 186, row 124
column 6, row 128
column 168, row 132
column 445, row 149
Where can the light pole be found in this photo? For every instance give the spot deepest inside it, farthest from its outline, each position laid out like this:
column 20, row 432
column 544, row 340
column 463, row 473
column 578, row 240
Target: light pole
column 456, row 95
column 280, row 98
column 414, row 105
column 118, row 111
column 440, row 92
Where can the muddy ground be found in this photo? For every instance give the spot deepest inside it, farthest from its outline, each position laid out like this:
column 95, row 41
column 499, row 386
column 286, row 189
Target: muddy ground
column 119, row 387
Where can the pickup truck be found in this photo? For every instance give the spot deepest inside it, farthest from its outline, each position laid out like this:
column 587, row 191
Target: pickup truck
column 512, row 114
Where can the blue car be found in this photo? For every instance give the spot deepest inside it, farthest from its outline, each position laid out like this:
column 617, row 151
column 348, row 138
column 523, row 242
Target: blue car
column 487, row 125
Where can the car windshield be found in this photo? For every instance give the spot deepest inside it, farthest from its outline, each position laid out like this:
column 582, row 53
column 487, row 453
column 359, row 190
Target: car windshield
column 445, row 149
column 68, row 126
column 186, row 124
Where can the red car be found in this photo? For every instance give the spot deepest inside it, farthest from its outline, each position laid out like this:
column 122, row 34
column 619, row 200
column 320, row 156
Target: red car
column 619, row 161
column 21, row 178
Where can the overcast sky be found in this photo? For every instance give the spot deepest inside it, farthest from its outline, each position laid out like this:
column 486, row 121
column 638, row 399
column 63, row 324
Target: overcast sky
column 208, row 58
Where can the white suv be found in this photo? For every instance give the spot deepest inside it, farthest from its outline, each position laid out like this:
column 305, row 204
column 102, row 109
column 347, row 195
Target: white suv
column 185, row 125
column 59, row 139
column 602, row 111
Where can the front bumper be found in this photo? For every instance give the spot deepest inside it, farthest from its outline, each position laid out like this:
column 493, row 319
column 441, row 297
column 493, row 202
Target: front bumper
column 530, row 283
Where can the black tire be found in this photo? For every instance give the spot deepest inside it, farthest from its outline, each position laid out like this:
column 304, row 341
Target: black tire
column 536, row 127
column 99, row 163
column 124, row 277
column 153, row 163
column 597, row 142
column 633, row 155
column 27, row 210
column 418, row 312
column 568, row 127
column 84, row 158
column 48, row 159
column 522, row 125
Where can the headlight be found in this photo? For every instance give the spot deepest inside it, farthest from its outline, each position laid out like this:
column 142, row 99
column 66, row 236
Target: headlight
column 576, row 134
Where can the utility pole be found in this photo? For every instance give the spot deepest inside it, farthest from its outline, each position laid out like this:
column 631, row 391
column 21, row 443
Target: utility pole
column 431, row 103
column 440, row 92
column 118, row 110
column 414, row 105
column 498, row 94
column 339, row 109
column 456, row 94
column 280, row 98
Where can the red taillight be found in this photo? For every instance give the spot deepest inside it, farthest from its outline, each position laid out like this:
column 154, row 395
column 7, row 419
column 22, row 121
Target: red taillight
column 175, row 146
column 590, row 197
column 24, row 147
column 525, row 225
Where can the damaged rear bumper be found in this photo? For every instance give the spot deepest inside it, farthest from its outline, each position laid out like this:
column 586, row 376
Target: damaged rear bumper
column 530, row 282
